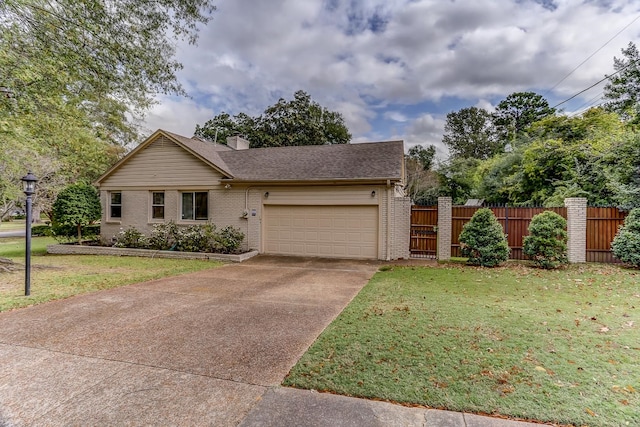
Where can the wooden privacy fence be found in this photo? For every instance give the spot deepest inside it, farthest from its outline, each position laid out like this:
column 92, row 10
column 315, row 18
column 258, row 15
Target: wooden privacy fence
column 602, row 225
column 515, row 223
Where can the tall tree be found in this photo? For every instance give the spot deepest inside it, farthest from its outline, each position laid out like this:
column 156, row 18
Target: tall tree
column 517, row 112
column 421, row 181
column 469, row 133
column 73, row 74
column 300, row 121
column 623, row 89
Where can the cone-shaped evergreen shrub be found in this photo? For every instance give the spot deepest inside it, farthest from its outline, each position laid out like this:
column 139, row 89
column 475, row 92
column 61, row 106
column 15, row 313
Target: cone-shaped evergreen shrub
column 483, row 241
column 546, row 243
column 626, row 244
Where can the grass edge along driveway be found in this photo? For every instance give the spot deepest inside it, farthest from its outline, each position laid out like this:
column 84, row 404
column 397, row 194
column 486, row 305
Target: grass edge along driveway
column 553, row 346
column 61, row 276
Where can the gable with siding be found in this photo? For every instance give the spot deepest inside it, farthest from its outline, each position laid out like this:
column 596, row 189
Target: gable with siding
column 162, row 163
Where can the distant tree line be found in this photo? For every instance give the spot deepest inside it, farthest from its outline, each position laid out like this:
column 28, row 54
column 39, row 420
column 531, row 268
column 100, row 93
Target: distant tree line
column 526, row 152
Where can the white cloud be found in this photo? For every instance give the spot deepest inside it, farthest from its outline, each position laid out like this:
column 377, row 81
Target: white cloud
column 179, row 116
column 368, row 58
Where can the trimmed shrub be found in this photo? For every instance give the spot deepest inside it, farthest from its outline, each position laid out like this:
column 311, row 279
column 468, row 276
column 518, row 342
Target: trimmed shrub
column 67, row 233
column 626, row 244
column 131, row 238
column 164, row 236
column 194, row 238
column 228, row 240
column 546, row 243
column 41, row 230
column 483, row 241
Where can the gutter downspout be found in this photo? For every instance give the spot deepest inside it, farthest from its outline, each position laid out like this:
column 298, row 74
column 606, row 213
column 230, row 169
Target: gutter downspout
column 246, row 211
column 389, row 219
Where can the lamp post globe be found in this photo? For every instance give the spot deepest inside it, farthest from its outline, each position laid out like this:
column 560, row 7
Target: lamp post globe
column 29, row 183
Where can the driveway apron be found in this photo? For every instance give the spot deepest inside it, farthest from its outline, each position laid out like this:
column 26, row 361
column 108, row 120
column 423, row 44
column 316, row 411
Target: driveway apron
column 197, row 349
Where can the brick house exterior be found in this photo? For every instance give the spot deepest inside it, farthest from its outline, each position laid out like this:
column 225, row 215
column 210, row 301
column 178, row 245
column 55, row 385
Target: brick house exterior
column 341, row 200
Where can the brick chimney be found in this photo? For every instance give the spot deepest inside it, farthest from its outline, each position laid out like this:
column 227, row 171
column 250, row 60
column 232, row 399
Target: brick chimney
column 237, row 142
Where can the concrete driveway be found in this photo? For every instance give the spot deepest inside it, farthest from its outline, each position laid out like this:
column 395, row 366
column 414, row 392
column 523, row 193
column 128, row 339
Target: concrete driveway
column 198, row 349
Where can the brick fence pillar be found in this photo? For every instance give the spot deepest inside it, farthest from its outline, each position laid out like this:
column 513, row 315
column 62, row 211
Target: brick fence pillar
column 576, row 229
column 444, row 228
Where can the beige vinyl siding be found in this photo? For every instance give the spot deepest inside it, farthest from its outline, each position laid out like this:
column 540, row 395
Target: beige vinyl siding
column 163, row 164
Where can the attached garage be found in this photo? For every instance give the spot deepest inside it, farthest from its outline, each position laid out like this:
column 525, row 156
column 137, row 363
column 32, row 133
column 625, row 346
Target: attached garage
column 324, row 231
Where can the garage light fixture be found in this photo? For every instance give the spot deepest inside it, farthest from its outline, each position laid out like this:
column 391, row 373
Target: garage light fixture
column 266, row 195
column 373, row 193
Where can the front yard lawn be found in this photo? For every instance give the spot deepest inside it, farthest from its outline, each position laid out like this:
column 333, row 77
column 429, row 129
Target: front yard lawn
column 554, row 346
column 61, row 276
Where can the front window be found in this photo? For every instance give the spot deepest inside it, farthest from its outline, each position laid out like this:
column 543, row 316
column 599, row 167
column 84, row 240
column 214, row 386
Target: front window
column 157, row 205
column 195, row 205
column 115, row 205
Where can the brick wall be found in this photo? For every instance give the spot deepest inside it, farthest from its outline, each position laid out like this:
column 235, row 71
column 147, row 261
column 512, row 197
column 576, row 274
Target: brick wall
column 444, row 228
column 576, row 229
column 401, row 227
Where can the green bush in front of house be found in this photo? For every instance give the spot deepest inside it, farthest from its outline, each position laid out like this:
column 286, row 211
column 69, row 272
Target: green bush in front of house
column 626, row 244
column 546, row 243
column 193, row 238
column 482, row 240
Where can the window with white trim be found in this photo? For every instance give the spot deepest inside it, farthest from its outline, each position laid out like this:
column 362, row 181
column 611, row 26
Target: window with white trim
column 195, row 205
column 115, row 205
column 157, row 205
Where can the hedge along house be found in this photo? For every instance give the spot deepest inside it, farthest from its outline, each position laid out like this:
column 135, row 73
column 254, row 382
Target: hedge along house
column 343, row 201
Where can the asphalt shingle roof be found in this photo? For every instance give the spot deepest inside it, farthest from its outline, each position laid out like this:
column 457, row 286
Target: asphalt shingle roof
column 317, row 162
column 372, row 160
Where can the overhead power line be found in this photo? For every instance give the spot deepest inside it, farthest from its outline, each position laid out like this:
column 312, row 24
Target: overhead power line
column 595, row 84
column 591, row 56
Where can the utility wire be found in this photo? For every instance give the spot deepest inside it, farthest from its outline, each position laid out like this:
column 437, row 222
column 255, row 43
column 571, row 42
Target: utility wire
column 596, row 84
column 592, row 55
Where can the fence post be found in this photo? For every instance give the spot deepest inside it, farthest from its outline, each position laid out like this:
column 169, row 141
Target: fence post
column 445, row 223
column 576, row 229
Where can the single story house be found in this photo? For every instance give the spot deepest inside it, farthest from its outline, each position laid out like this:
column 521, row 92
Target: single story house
column 343, row 201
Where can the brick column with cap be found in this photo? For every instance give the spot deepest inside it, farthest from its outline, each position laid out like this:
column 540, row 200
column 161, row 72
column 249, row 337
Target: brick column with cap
column 444, row 228
column 576, row 229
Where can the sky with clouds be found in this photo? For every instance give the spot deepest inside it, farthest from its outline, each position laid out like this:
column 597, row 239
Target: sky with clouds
column 395, row 68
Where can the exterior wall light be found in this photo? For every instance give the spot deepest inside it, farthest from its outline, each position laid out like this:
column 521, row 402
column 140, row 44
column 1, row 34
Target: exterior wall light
column 266, row 195
column 373, row 193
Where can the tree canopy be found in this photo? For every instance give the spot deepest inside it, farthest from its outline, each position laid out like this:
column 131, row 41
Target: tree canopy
column 300, row 121
column 469, row 132
column 75, row 76
column 623, row 88
column 77, row 205
column 518, row 111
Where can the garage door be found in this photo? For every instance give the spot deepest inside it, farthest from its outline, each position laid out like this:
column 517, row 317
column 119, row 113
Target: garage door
column 323, row 231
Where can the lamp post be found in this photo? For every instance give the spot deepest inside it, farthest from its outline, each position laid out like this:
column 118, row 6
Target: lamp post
column 29, row 183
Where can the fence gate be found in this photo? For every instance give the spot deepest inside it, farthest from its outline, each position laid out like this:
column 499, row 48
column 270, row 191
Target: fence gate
column 424, row 235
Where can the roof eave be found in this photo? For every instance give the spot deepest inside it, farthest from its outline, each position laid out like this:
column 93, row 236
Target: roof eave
column 314, row 181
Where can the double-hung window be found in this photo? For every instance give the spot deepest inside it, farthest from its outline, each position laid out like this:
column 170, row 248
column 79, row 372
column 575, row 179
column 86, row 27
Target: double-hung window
column 195, row 205
column 115, row 205
column 157, row 205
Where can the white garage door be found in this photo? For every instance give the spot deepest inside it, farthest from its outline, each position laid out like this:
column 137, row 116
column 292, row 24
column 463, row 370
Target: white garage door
column 323, row 231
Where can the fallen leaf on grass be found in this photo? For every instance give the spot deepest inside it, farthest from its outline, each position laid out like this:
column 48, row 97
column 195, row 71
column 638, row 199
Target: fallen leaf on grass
column 541, row 369
column 604, row 329
column 590, row 412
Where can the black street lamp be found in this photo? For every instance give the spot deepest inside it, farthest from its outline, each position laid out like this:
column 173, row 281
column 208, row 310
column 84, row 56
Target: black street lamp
column 29, row 182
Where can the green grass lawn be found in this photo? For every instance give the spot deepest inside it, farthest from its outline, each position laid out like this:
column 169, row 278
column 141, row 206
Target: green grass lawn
column 14, row 225
column 556, row 346
column 61, row 276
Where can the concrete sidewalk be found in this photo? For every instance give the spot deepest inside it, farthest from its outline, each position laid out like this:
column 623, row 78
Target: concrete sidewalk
column 208, row 348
